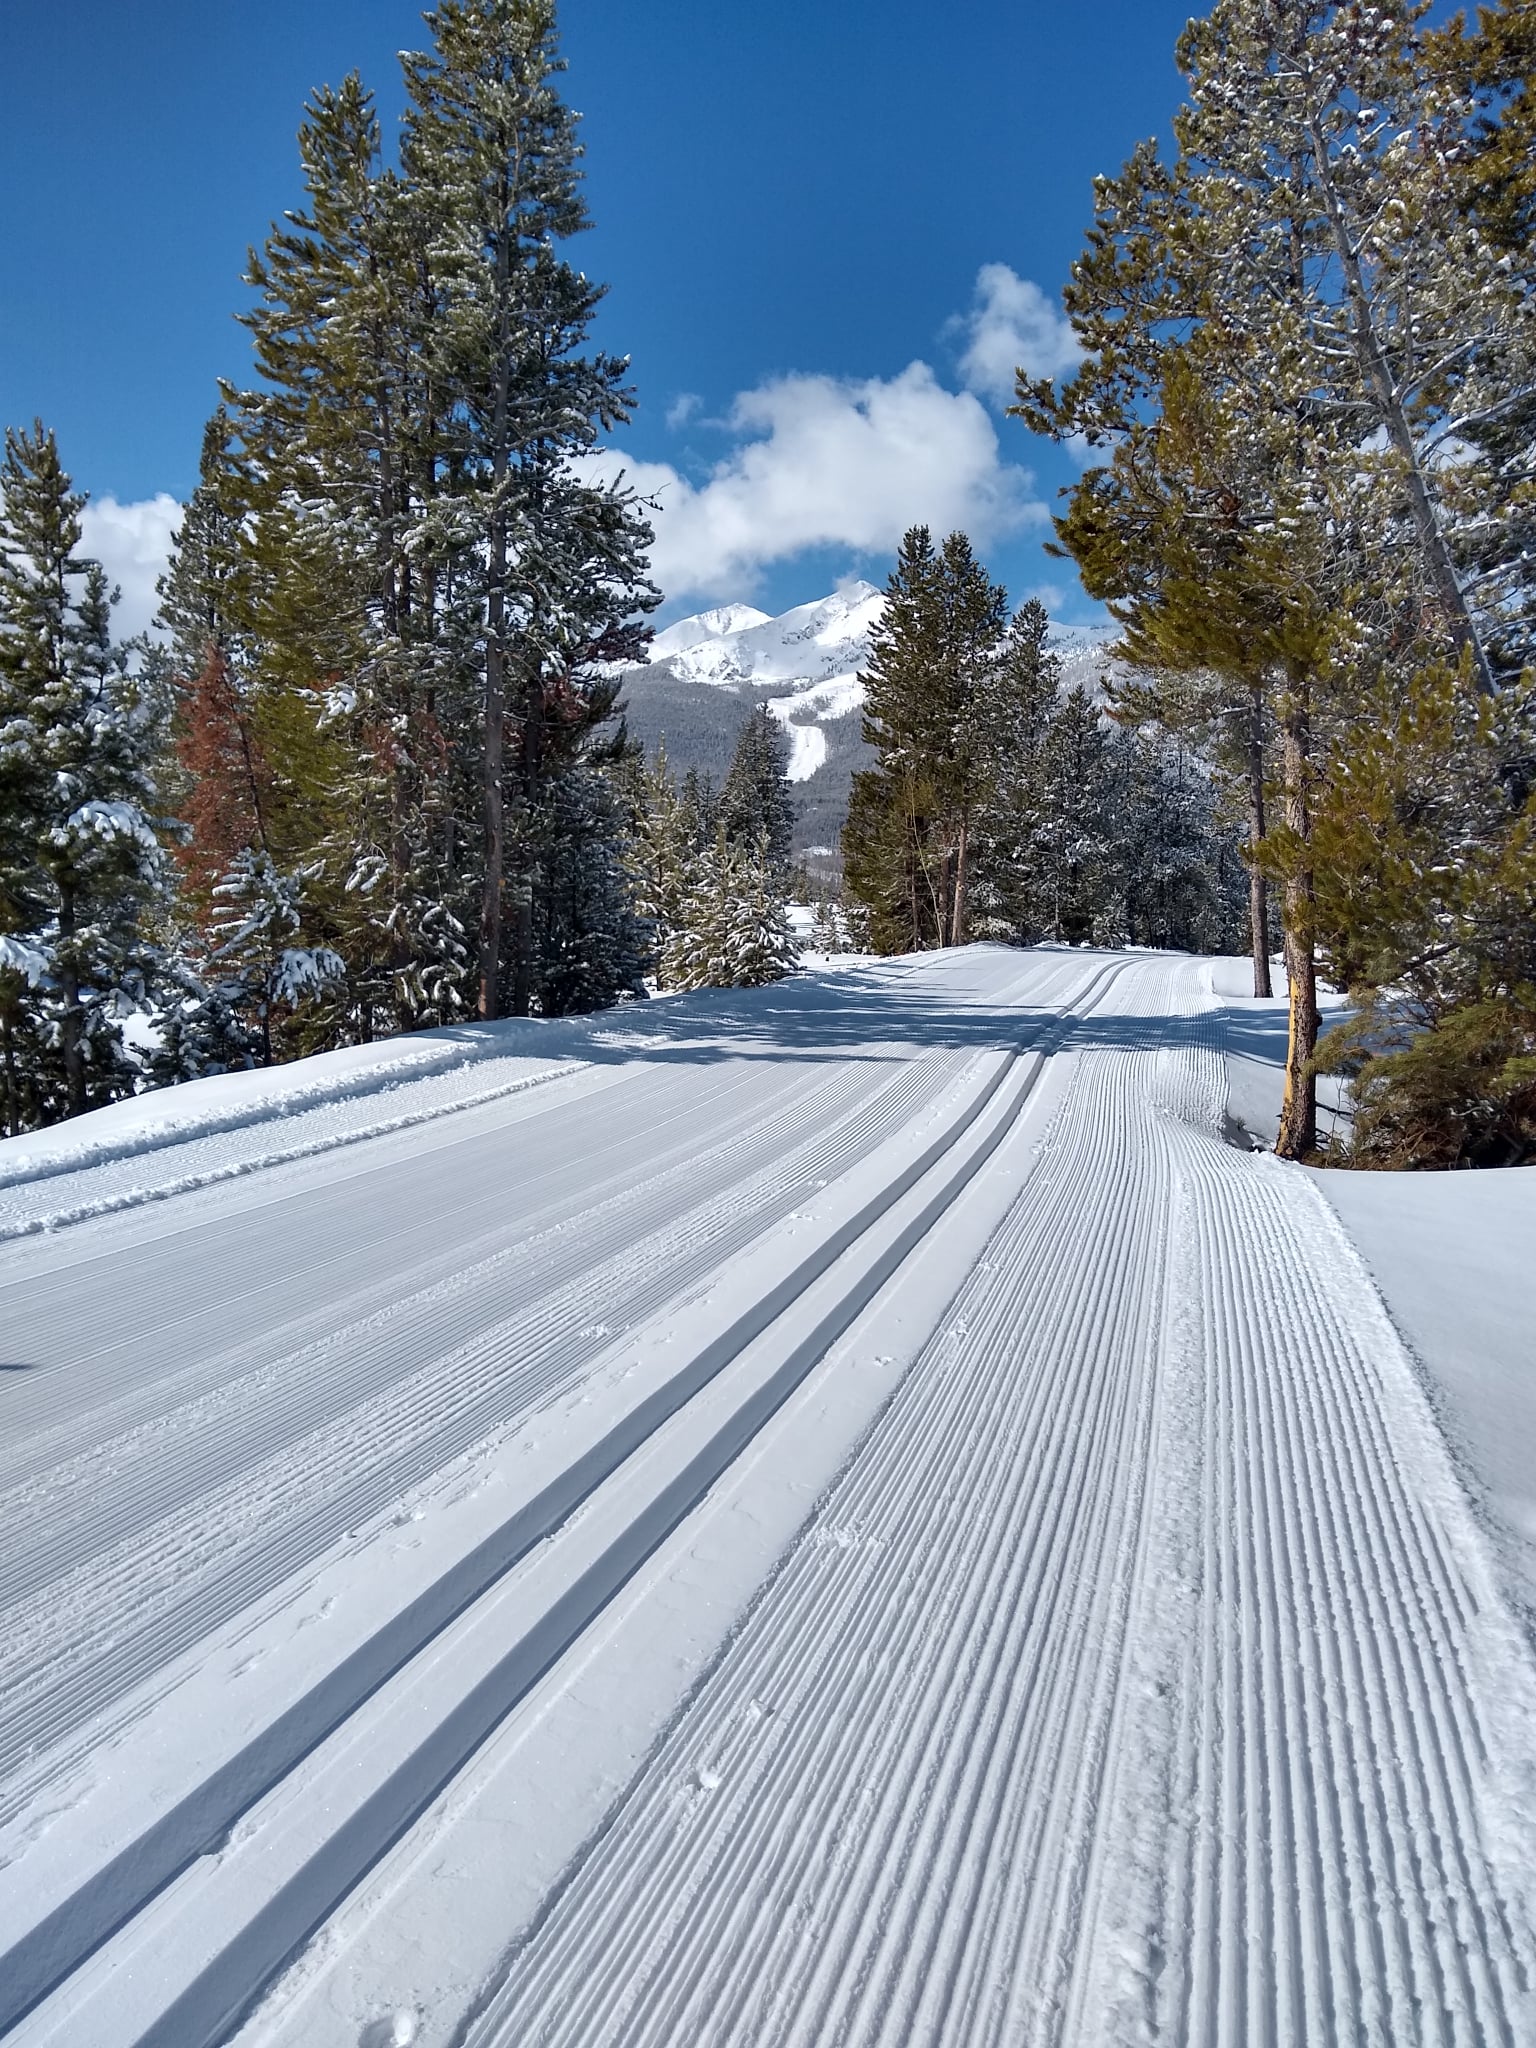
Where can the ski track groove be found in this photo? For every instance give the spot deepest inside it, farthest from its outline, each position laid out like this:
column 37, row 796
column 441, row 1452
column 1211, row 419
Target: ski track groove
column 159, row 1564
column 908, row 1803
column 1139, row 1679
column 548, row 1183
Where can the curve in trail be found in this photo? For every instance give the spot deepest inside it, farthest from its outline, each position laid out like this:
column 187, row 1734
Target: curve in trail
column 125, row 1555
column 1139, row 1680
column 800, row 1861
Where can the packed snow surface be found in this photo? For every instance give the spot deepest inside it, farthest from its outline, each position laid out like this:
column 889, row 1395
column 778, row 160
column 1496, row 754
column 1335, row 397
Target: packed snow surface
column 839, row 1513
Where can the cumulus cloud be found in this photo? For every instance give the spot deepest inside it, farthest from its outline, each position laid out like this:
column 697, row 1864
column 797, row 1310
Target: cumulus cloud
column 1012, row 325
column 829, row 462
column 132, row 543
column 682, row 409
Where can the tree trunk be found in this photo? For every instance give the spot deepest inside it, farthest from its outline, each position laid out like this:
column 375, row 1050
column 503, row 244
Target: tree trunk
column 957, row 922
column 1297, row 1137
column 12, row 1092
column 1392, row 416
column 532, row 774
column 70, row 1035
column 495, row 728
column 495, row 645
column 1258, row 881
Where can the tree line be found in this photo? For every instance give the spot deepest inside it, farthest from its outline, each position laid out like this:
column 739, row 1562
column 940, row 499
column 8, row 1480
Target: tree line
column 362, row 784
column 1002, row 806
column 1307, row 389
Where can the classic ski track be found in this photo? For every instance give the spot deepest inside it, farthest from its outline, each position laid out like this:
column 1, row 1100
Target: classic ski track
column 529, row 1268
column 932, row 1158
column 134, row 1192
column 318, row 1283
column 186, row 1557
column 955, row 1779
column 128, row 1160
column 181, row 1567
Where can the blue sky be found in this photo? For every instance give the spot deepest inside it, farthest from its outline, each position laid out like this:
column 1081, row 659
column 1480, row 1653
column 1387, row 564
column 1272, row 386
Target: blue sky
column 826, row 226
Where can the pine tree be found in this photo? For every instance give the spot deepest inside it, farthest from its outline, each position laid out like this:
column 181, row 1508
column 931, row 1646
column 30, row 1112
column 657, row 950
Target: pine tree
column 429, row 592
column 1491, row 64
column 490, row 141
column 907, row 851
column 339, row 478
column 81, row 855
column 755, row 802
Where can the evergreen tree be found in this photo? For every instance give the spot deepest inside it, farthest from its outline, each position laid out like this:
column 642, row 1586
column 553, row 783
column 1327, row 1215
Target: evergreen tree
column 595, row 940
column 1009, row 717
column 907, row 850
column 756, row 802
column 428, row 592
column 732, row 929
column 81, row 859
column 338, row 476
column 1277, row 290
column 1072, row 896
column 1426, row 910
column 700, row 802
column 1491, row 64
column 491, row 146
column 664, row 843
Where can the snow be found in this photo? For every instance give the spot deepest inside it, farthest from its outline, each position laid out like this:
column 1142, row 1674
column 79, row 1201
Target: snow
column 814, row 654
column 737, row 645
column 704, row 626
column 170, row 1140
column 1453, row 1254
column 846, row 1511
column 1255, row 1032
column 1452, row 1257
column 807, row 751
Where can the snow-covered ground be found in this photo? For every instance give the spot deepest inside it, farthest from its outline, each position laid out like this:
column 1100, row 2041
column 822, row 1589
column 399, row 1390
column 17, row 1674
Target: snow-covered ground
column 845, row 1512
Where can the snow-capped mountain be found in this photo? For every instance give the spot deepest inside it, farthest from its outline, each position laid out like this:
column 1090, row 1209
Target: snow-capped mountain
column 738, row 647
column 706, row 672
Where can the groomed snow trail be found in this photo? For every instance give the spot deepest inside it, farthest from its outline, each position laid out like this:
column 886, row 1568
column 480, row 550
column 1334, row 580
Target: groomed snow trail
column 393, row 1309
column 1140, row 1680
column 1140, row 1677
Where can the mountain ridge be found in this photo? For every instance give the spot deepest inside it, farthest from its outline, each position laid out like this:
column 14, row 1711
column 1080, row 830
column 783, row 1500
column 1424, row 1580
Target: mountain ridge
column 709, row 670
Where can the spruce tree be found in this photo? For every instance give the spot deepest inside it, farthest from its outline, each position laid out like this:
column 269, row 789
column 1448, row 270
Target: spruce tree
column 756, row 802
column 907, row 851
column 81, row 855
column 732, row 930
column 491, row 145
column 1008, row 719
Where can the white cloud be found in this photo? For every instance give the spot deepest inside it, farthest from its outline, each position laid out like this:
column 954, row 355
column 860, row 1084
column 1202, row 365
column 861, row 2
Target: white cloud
column 682, row 409
column 131, row 542
column 1012, row 325
column 828, row 462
